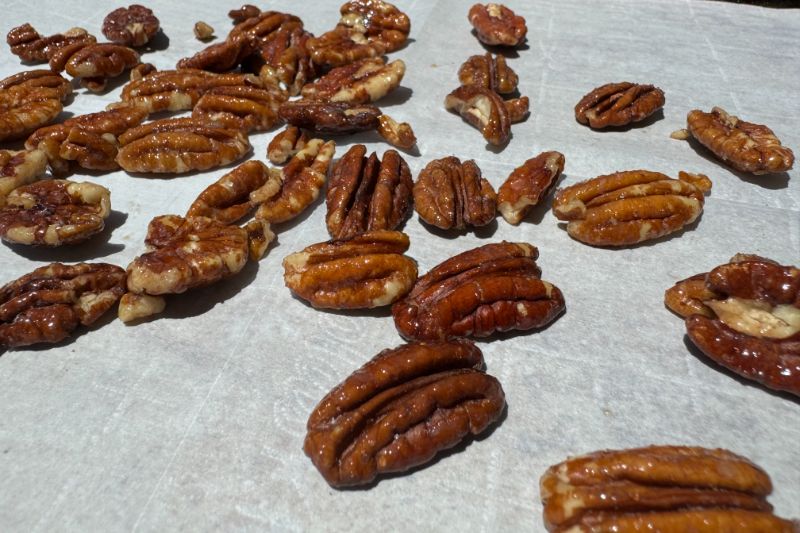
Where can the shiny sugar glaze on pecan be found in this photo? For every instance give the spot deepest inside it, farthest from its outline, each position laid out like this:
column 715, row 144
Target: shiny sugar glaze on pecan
column 24, row 109
column 495, row 24
column 492, row 288
column 490, row 72
column 31, row 47
column 484, row 109
column 18, row 168
column 330, row 117
column 698, row 521
column 284, row 51
column 400, row 409
column 367, row 193
column 365, row 271
column 629, row 207
column 243, row 13
column 397, row 134
column 240, row 107
column 528, row 184
column 134, row 25
column 286, row 144
column 49, row 303
column 745, row 146
column 39, row 78
column 360, row 82
column 101, row 61
column 618, row 104
column 450, row 194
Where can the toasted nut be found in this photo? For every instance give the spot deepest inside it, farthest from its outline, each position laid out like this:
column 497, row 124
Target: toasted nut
column 495, row 24
column 528, row 184
column 284, row 52
column 618, row 104
column 360, row 82
column 484, row 109
column 203, row 31
column 137, row 306
column 330, row 118
column 18, row 168
column 490, row 72
column 259, row 237
column 243, row 13
column 397, row 134
column 286, row 144
column 31, row 47
column 240, row 107
column 97, row 62
column 24, row 109
column 39, row 78
column 141, row 70
column 686, row 297
column 131, row 26
column 518, row 109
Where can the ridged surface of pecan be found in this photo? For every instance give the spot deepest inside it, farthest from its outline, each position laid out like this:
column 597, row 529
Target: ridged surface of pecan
column 134, row 25
column 18, row 168
column 101, row 60
column 483, row 109
column 285, row 51
column 495, row 24
column 490, row 72
column 360, row 82
column 366, row 271
column 400, row 409
column 31, row 47
column 25, row 109
column 330, row 117
column 241, row 107
column 39, row 78
column 286, row 144
column 492, row 288
column 618, row 104
column 528, row 184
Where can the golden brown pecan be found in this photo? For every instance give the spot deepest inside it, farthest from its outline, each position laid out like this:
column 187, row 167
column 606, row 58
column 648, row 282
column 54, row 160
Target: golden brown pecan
column 286, row 144
column 400, row 409
column 135, row 306
column 259, row 237
column 492, row 288
column 745, row 146
column 285, row 52
column 179, row 145
column 517, row 109
column 483, row 109
column 365, row 271
column 101, row 61
column 141, row 70
column 618, row 104
column 203, row 31
column 360, row 82
column 39, row 78
column 23, row 109
column 528, row 184
column 134, row 25
column 490, row 72
column 89, row 150
column 686, row 297
column 47, row 304
column 397, row 134
column 240, row 107
column 330, row 118
column 495, row 24
column 31, row 47
column 18, row 168
column 366, row 194
column 629, row 207
column 243, row 13
column 450, row 194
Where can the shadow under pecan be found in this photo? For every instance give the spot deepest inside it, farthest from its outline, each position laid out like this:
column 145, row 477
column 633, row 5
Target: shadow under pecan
column 528, row 184
column 31, row 47
column 134, row 25
column 360, row 82
column 618, row 104
column 490, row 72
column 492, row 288
column 46, row 305
column 483, row 109
column 18, row 168
column 495, row 24
column 400, row 409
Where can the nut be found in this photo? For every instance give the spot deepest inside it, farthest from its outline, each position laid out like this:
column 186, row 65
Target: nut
column 101, row 61
column 618, row 104
column 397, row 134
column 47, row 304
column 39, row 78
column 89, row 150
column 259, row 237
column 495, row 24
column 745, row 146
column 141, row 70
column 400, row 409
column 450, row 194
column 492, row 288
column 134, row 25
column 330, row 118
column 528, row 184
column 490, row 72
column 243, row 13
column 483, row 109
column 137, row 306
column 284, row 50
column 18, row 168
column 31, row 47
column 629, row 207
column 360, row 82
column 366, row 194
column 179, row 145
column 240, row 107
column 286, row 144
column 23, row 109
column 517, row 109
column 365, row 271
column 203, row 31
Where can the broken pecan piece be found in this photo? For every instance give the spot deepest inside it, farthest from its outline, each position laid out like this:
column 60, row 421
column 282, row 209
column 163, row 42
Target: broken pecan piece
column 18, row 168
column 134, row 25
column 330, row 117
column 619, row 104
column 492, row 288
column 629, row 207
column 397, row 134
column 495, row 24
column 483, row 109
column 360, row 82
column 286, row 144
column 365, row 271
column 243, row 13
column 203, row 31
column 240, row 107
column 528, row 184
column 490, row 72
column 400, row 409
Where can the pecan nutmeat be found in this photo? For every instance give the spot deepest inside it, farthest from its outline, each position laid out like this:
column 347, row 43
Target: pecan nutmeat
column 286, row 144
column 360, row 82
column 134, row 25
column 495, row 24
column 240, row 107
column 618, row 104
column 31, row 47
column 528, row 184
column 397, row 134
column 330, row 117
column 483, row 109
column 18, row 168
column 23, row 109
column 39, row 78
column 101, row 60
column 490, row 72
column 285, row 52
column 243, row 13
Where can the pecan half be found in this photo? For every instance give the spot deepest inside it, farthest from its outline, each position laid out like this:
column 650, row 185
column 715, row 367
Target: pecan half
column 483, row 109
column 360, row 82
column 490, row 72
column 330, row 118
column 28, row 45
column 101, row 60
column 400, row 409
column 495, row 287
column 39, row 78
column 23, row 109
column 397, row 134
column 495, row 24
column 365, row 271
column 528, row 184
column 286, row 144
column 745, row 146
column 134, row 25
column 366, row 194
column 49, row 303
column 240, row 107
column 284, row 50
column 450, row 194
column 618, row 104
column 18, row 168
column 629, row 207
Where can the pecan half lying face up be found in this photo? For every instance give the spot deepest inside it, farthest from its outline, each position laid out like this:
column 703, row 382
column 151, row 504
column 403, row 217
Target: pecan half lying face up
column 618, row 104
column 24, row 107
column 134, row 25
column 495, row 24
column 490, row 72
column 484, row 109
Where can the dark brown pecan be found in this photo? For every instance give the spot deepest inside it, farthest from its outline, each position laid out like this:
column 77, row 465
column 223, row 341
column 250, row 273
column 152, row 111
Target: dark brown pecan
column 134, row 25
column 367, row 194
column 495, row 24
column 484, row 109
column 360, row 82
column 219, row 57
column 47, row 304
column 286, row 144
column 39, row 78
column 528, row 184
column 397, row 134
column 495, row 287
column 240, row 107
column 284, row 51
column 24, row 109
column 490, row 72
column 450, row 194
column 18, row 168
column 330, row 118
column 31, row 47
column 400, row 409
column 243, row 13
column 618, row 104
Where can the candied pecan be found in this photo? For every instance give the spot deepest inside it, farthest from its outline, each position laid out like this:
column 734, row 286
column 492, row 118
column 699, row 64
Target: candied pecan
column 528, row 184
column 450, row 194
column 259, row 236
column 490, row 72
column 517, row 109
column 286, row 144
column 47, row 304
column 89, row 150
column 360, row 82
column 365, row 271
column 618, row 104
column 179, row 145
column 397, row 134
column 400, row 409
column 495, row 24
column 330, row 117
column 629, row 207
column 141, row 70
column 284, row 51
column 203, row 31
column 698, row 521
column 134, row 25
column 18, row 168
column 686, row 297
column 39, row 78
column 745, row 146
column 31, row 47
column 101, row 60
column 219, row 57
column 23, row 109
column 240, row 107
column 263, row 25
column 484, row 109
column 366, row 194
column 243, row 13
column 135, row 306
column 495, row 287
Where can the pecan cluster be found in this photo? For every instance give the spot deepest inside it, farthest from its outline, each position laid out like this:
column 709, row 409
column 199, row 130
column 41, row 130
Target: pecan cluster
column 134, row 25
column 495, row 24
column 618, row 104
column 528, row 184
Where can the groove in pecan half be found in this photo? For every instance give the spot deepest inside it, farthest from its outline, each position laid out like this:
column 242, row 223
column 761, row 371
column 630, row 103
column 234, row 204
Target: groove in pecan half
column 483, row 109
column 495, row 24
column 618, row 104
column 18, row 168
column 39, row 78
column 528, row 184
column 360, row 82
column 286, row 144
column 240, row 107
column 490, row 72
column 330, row 117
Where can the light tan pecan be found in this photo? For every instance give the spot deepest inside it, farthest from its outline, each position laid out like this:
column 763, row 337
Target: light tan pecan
column 241, row 107
column 100, row 61
column 39, row 78
column 286, row 144
column 495, row 24
column 484, row 109
column 360, row 82
column 134, row 25
column 133, row 307
column 618, row 104
column 528, row 184
column 400, row 409
column 243, row 13
column 450, row 194
column 397, row 134
column 629, row 207
column 18, row 168
column 365, row 271
column 203, row 31
column 31, row 47
column 330, row 117
column 285, row 52
column 366, row 194
column 490, row 72
column 23, row 109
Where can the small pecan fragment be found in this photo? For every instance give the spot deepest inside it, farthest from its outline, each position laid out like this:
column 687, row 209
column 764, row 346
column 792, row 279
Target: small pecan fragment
column 134, row 25
column 365, row 271
column 101, row 60
column 360, row 82
column 141, row 70
column 518, row 109
column 745, row 146
column 629, row 207
column 240, row 107
column 492, row 288
column 400, row 409
column 31, row 47
column 286, row 144
column 23, row 109
column 490, row 72
column 18, row 168
column 203, row 31
column 483, row 109
column 49, row 303
column 618, row 104
column 397, row 134
column 450, row 194
column 528, row 184
column 495, row 24
column 133, row 307
column 330, row 117
column 366, row 194
column 243, row 13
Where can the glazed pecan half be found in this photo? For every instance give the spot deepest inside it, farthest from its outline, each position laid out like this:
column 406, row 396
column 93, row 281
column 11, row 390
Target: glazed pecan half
column 495, row 287
column 18, row 168
column 285, row 51
column 330, row 117
column 495, row 24
column 484, row 109
column 360, row 82
column 365, row 271
column 490, row 72
column 400, row 409
column 24, row 109
column 629, row 207
column 286, row 144
column 134, row 25
column 100, row 61
column 39, row 78
column 240, row 107
column 31, row 47
column 528, row 184
column 618, row 104
column 49, row 303
column 397, row 134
